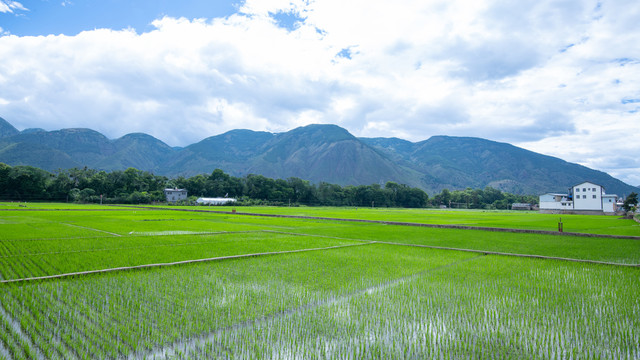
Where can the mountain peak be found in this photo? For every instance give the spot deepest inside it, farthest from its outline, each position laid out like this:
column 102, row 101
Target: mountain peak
column 325, row 132
column 7, row 129
column 32, row 130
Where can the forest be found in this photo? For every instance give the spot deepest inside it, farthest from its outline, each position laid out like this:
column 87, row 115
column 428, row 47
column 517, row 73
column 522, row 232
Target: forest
column 133, row 186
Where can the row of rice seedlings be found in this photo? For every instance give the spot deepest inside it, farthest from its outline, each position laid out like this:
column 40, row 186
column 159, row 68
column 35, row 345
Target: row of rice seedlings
column 10, row 341
column 24, row 268
column 138, row 323
column 36, row 227
column 15, row 338
column 146, row 250
column 140, row 312
column 495, row 308
column 61, row 246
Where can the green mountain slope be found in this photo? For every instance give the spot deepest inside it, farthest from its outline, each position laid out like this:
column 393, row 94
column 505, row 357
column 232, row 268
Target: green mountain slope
column 84, row 146
column 460, row 162
column 328, row 153
column 67, row 148
column 7, row 129
column 231, row 151
column 40, row 156
column 137, row 150
column 316, row 152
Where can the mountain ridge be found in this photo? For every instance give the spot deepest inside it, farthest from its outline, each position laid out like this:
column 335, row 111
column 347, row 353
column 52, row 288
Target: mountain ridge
column 318, row 153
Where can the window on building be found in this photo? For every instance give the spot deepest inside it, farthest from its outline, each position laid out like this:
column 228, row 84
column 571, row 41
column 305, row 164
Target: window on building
column 594, row 196
column 584, row 189
column 577, row 189
column 584, row 196
column 594, row 189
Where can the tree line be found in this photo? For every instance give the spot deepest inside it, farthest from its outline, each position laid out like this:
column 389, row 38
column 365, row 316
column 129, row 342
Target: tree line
column 133, row 186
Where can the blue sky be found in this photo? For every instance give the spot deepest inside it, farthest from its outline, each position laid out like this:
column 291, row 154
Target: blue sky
column 69, row 17
column 559, row 77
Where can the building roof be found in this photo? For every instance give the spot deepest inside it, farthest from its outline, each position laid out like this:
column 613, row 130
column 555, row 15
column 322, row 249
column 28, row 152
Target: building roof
column 175, row 190
column 590, row 182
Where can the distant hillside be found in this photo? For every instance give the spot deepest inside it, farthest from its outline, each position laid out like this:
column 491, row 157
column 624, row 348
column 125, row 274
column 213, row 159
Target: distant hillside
column 327, row 153
column 459, row 162
column 6, row 129
column 140, row 151
column 231, row 151
column 67, row 148
column 316, row 152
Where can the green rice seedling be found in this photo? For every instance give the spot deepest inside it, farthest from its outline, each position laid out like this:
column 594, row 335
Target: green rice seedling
column 492, row 307
column 167, row 306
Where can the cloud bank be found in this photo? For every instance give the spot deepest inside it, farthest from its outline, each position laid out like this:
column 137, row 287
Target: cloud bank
column 556, row 77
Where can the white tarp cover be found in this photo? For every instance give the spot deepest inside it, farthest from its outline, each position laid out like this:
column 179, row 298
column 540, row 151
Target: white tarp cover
column 215, row 201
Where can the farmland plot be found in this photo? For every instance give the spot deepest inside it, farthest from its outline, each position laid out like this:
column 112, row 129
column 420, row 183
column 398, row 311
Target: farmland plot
column 487, row 308
column 356, row 291
column 139, row 312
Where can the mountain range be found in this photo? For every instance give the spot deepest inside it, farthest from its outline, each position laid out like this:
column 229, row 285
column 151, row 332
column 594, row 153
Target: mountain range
column 317, row 153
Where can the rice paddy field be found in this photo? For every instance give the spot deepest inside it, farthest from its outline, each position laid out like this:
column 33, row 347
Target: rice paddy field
column 108, row 282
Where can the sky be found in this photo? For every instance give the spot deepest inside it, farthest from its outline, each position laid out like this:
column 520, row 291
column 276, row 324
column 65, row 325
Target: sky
column 558, row 77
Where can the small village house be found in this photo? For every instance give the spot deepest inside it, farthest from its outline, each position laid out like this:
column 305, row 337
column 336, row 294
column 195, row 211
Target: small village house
column 174, row 195
column 521, row 206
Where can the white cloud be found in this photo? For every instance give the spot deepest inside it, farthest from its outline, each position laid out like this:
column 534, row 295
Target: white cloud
column 8, row 6
column 555, row 77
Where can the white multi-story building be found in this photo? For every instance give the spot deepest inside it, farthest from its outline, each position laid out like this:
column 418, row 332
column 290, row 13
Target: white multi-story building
column 586, row 198
column 174, row 195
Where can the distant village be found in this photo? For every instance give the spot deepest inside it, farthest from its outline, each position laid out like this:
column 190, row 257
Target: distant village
column 584, row 198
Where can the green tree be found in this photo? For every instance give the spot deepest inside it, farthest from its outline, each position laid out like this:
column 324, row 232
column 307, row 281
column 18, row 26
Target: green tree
column 28, row 183
column 60, row 186
column 444, row 198
column 4, row 179
column 302, row 191
column 631, row 202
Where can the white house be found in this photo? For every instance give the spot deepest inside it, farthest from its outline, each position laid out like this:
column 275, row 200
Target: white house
column 584, row 198
column 215, row 201
column 176, row 194
column 552, row 201
column 609, row 203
